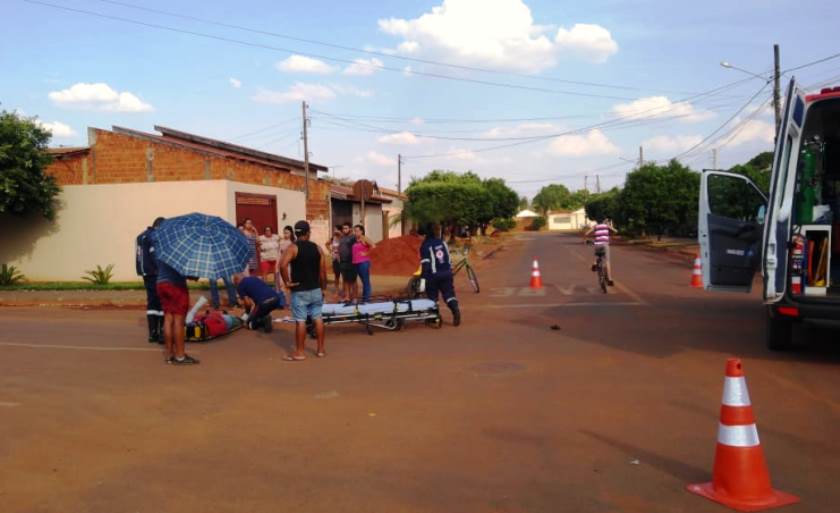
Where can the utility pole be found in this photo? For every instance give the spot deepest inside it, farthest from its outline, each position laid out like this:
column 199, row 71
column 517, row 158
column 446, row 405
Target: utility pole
column 305, row 152
column 399, row 173
column 777, row 105
column 641, row 156
column 597, row 184
column 714, row 158
column 586, row 183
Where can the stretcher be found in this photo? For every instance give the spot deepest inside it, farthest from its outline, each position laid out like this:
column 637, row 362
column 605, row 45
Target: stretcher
column 390, row 315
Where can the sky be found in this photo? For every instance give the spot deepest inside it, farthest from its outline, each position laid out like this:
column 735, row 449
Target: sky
column 532, row 91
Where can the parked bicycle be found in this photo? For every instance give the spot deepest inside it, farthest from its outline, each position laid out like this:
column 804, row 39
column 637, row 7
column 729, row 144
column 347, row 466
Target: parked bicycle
column 414, row 288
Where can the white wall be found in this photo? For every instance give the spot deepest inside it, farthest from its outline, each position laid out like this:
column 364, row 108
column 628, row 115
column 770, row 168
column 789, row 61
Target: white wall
column 98, row 224
column 394, row 210
column 373, row 219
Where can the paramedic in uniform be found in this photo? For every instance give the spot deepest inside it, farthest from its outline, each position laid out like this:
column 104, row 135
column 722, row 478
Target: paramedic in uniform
column 146, row 266
column 437, row 271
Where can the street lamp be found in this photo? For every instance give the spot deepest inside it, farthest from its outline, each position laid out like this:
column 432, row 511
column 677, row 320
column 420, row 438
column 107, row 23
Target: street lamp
column 728, row 65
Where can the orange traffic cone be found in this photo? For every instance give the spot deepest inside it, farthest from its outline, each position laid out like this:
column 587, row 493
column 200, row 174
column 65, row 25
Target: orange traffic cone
column 697, row 273
column 536, row 278
column 740, row 478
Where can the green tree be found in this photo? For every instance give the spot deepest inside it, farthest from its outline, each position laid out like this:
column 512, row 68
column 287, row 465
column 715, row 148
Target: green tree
column 524, row 203
column 659, row 199
column 24, row 186
column 552, row 197
column 603, row 205
column 758, row 169
column 503, row 199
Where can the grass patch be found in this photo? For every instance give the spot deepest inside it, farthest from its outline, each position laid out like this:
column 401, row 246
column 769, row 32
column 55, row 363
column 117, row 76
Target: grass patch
column 84, row 285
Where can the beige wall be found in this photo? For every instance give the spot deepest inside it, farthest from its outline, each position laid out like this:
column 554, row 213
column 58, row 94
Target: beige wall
column 373, row 219
column 97, row 224
column 576, row 220
column 394, row 210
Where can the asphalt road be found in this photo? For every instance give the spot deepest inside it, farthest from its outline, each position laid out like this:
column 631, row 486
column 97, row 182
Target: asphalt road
column 613, row 411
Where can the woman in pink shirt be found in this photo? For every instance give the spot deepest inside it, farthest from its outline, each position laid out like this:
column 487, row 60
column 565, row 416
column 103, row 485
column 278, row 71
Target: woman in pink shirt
column 361, row 260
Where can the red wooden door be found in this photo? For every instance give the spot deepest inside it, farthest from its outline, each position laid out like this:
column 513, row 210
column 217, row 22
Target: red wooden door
column 260, row 208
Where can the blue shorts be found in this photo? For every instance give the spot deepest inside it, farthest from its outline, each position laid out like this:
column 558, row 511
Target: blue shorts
column 307, row 303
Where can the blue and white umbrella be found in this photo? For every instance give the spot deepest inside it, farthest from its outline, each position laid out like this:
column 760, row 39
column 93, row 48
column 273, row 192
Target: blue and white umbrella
column 202, row 246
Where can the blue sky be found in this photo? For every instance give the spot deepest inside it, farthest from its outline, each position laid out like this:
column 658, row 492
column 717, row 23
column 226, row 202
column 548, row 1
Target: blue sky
column 75, row 70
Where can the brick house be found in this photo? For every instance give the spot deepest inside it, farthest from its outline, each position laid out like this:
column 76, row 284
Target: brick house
column 115, row 187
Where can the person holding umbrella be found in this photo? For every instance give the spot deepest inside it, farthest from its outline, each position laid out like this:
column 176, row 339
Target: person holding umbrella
column 193, row 245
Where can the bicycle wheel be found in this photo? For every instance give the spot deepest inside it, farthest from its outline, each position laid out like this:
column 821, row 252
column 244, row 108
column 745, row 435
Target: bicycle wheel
column 473, row 279
column 602, row 277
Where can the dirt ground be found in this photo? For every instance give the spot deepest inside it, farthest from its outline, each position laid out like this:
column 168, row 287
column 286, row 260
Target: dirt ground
column 560, row 399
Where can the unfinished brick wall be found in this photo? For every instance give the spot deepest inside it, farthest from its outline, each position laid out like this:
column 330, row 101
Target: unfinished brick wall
column 123, row 158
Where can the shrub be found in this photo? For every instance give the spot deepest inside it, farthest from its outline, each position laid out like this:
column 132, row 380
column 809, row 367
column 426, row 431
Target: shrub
column 9, row 275
column 504, row 224
column 100, row 276
column 538, row 223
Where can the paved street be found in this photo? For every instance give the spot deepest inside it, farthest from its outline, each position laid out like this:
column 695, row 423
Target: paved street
column 616, row 410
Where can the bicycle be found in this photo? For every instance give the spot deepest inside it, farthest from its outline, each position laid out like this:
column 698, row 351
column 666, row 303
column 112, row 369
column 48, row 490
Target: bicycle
column 414, row 289
column 601, row 268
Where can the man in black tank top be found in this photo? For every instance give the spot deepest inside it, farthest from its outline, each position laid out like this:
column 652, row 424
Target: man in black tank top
column 308, row 281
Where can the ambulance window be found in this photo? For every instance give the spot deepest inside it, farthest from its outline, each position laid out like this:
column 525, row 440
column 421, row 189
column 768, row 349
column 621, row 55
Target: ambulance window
column 782, row 183
column 735, row 198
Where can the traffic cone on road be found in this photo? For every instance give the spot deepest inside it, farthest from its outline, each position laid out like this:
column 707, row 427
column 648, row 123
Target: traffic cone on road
column 697, row 273
column 536, row 278
column 740, row 479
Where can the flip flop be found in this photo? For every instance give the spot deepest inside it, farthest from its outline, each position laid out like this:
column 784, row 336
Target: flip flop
column 291, row 358
column 321, row 354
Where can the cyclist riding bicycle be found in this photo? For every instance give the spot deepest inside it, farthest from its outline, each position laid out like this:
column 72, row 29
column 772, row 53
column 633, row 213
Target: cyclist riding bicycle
column 601, row 232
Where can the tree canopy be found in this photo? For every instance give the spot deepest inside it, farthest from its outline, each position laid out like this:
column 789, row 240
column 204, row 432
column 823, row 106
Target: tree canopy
column 558, row 197
column 451, row 198
column 24, row 186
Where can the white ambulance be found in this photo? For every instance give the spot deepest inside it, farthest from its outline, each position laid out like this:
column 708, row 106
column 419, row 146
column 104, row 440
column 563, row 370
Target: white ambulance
column 792, row 237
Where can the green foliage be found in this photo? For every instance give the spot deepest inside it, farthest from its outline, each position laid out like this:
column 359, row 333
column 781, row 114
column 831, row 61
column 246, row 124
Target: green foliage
column 24, row 186
column 734, row 198
column 9, row 275
column 558, row 197
column 524, row 203
column 504, row 224
column 758, row 169
column 659, row 199
column 450, row 198
column 100, row 276
column 602, row 206
column 538, row 223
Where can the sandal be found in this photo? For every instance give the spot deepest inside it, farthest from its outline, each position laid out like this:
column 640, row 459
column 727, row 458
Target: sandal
column 293, row 358
column 321, row 354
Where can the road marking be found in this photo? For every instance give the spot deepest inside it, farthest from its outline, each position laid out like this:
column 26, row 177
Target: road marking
column 554, row 305
column 529, row 292
column 568, row 291
column 81, row 348
column 620, row 286
column 7, row 404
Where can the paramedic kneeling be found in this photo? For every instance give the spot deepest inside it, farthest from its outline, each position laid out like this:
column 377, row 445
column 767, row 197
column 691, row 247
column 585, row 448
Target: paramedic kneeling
column 259, row 299
column 437, row 271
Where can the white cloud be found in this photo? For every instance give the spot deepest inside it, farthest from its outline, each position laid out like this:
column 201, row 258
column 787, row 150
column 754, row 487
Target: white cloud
column 417, row 121
column 399, row 138
column 301, row 64
column 235, row 82
column 351, row 91
column 58, row 129
column 498, row 34
column 522, row 129
column 753, row 131
column 667, row 144
column 297, row 92
column 652, row 107
column 592, row 143
column 362, row 67
column 379, row 159
column 592, row 42
column 98, row 96
column 407, row 71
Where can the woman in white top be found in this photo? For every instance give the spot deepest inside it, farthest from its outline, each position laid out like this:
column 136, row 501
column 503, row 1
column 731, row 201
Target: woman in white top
column 269, row 252
column 283, row 244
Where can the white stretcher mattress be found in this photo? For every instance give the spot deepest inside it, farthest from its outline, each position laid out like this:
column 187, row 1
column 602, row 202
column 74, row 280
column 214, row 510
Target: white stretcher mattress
column 386, row 307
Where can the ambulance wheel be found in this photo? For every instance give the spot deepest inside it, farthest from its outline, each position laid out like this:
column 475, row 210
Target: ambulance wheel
column 778, row 332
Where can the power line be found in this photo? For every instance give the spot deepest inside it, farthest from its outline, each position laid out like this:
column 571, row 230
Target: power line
column 326, row 57
column 382, row 54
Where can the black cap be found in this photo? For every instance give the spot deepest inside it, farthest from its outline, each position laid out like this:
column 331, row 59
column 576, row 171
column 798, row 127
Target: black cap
column 301, row 228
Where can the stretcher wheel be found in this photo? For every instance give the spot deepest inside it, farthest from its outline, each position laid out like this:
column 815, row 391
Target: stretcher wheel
column 436, row 323
column 369, row 329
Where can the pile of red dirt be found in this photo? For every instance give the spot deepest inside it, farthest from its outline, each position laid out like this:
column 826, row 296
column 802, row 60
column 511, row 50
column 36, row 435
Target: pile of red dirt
column 398, row 256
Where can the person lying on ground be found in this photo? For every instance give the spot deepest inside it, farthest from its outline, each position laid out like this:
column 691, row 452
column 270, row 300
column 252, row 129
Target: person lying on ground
column 259, row 300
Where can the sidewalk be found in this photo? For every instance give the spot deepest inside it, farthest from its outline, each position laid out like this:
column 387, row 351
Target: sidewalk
column 136, row 299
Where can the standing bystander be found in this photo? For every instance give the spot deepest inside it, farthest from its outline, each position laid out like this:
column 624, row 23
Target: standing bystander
column 146, row 266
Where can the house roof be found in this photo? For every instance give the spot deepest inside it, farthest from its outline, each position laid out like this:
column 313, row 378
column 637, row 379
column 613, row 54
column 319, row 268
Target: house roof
column 225, row 150
column 171, row 133
column 343, row 191
column 526, row 213
column 67, row 151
